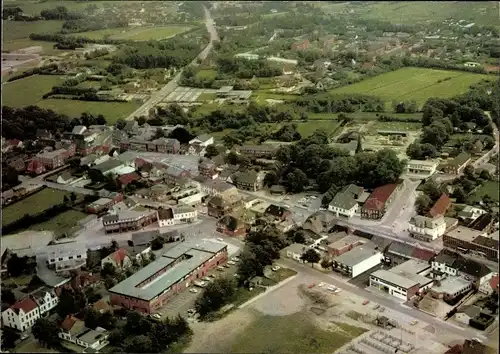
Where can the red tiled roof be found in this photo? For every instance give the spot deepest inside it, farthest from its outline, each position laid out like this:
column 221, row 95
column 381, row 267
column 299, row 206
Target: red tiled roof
column 456, row 349
column 140, row 162
column 379, row 196
column 494, row 283
column 102, row 306
column 423, row 254
column 119, row 255
column 129, row 178
column 440, row 207
column 33, row 165
column 27, row 305
column 13, row 142
column 68, row 323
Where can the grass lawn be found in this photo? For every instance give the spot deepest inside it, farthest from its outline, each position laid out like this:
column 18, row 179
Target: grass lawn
column 489, row 188
column 394, row 126
column 289, row 334
column 135, row 34
column 32, row 89
column 33, row 204
column 308, row 128
column 17, row 281
column 207, row 74
column 48, row 47
column 261, row 95
column 206, row 96
column 30, row 345
column 65, row 220
column 13, row 30
column 416, row 84
column 112, row 111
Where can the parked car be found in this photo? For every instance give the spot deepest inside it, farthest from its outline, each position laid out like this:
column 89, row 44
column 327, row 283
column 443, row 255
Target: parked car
column 220, row 239
column 235, row 259
column 231, row 263
column 332, row 288
column 220, row 269
column 156, row 316
column 193, row 290
column 207, row 279
column 321, row 285
column 275, row 268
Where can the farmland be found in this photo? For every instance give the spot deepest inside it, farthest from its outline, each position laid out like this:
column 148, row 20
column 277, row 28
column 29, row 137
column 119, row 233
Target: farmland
column 32, row 89
column 135, row 34
column 414, row 84
column 31, row 205
column 308, row 128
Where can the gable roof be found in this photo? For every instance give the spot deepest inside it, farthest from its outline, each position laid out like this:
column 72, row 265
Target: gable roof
column 119, row 255
column 343, row 200
column 129, row 178
column 276, row 210
column 27, row 305
column 458, row 161
column 203, row 137
column 379, row 197
column 248, row 177
column 441, row 206
column 108, row 165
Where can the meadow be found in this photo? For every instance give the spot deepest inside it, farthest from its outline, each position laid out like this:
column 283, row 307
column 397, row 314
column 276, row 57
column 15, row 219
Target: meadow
column 416, row 84
column 28, row 91
column 135, row 34
column 489, row 188
column 16, row 35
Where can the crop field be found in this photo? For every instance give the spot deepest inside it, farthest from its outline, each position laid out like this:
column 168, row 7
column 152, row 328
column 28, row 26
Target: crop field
column 14, row 30
column 33, row 204
column 414, row 84
column 28, row 91
column 135, row 34
column 112, row 111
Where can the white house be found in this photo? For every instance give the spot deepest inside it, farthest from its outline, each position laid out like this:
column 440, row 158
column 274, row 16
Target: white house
column 357, row 261
column 166, row 217
column 66, row 256
column 202, row 140
column 65, row 178
column 295, row 251
column 421, row 168
column 184, row 214
column 46, row 300
column 118, row 259
column 343, row 204
column 73, row 330
column 425, row 228
column 453, row 264
column 22, row 315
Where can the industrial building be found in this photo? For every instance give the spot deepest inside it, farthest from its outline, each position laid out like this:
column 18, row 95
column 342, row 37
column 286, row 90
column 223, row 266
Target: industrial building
column 154, row 285
column 357, row 261
column 467, row 240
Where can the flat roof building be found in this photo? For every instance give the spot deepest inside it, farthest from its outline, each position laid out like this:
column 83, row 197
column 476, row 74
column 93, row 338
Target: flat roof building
column 470, row 241
column 358, row 260
column 154, row 285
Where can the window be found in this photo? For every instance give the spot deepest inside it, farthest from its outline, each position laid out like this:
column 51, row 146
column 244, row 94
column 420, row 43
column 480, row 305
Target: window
column 70, row 257
column 60, row 259
column 79, row 256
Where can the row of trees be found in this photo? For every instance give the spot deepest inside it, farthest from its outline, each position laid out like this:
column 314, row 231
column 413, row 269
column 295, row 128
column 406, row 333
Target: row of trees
column 59, row 13
column 246, row 69
column 327, row 103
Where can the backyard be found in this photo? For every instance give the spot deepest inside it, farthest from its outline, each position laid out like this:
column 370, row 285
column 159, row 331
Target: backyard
column 415, row 84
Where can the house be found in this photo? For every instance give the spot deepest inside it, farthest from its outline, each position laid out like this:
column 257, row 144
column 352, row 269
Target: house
column 441, row 206
column 248, row 180
column 66, row 256
column 276, row 212
column 107, row 167
column 259, row 151
column 344, row 245
column 35, row 167
column 203, row 140
column 102, row 204
column 422, row 169
column 46, row 299
column 128, row 220
column 231, row 226
column 345, row 202
column 457, row 165
column 174, row 174
column 22, row 315
column 208, row 169
column 490, row 286
column 52, row 159
column 218, row 207
column 159, row 192
column 357, row 261
column 73, row 330
column 17, row 164
column 65, row 178
column 427, row 229
column 196, row 149
column 139, row 252
column 300, row 45
column 470, row 213
column 128, row 178
column 131, row 127
column 185, row 214
column 14, row 143
column 217, row 187
column 377, row 203
column 468, row 240
column 102, row 306
column 119, row 259
column 295, row 251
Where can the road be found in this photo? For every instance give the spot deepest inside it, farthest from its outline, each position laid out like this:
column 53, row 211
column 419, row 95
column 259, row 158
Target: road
column 158, row 96
column 386, row 302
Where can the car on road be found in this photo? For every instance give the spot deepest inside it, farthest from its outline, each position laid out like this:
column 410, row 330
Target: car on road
column 220, row 239
column 207, row 279
column 156, row 316
column 275, row 268
column 337, row 291
column 193, row 290
column 321, row 285
column 220, row 269
column 227, row 265
column 331, row 288
column 312, row 285
column 200, row 284
column 414, row 322
column 231, row 263
column 366, row 302
column 313, row 197
column 235, row 259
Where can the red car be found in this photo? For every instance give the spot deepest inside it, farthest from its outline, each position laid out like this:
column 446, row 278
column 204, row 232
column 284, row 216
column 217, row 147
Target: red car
column 366, row 302
column 312, row 285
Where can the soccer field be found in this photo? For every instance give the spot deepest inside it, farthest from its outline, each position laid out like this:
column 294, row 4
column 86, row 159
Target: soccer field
column 416, row 84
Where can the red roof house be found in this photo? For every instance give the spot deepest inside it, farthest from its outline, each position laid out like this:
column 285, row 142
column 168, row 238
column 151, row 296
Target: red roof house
column 423, row 254
column 14, row 143
column 35, row 167
column 441, row 206
column 377, row 202
column 68, row 323
column 27, row 305
column 128, row 178
column 119, row 259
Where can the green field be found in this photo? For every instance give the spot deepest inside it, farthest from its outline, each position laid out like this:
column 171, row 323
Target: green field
column 31, row 205
column 28, row 91
column 207, row 74
column 63, row 221
column 291, row 334
column 112, row 111
column 13, row 30
column 402, row 126
column 413, row 84
column 135, row 34
column 366, row 116
column 308, row 128
column 489, row 188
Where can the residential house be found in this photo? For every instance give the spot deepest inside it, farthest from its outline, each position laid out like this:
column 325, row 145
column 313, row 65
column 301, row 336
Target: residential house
column 249, row 180
column 131, row 127
column 35, row 167
column 377, row 203
column 128, row 178
column 208, row 169
column 422, row 169
column 17, row 164
column 217, row 187
column 196, row 149
column 358, row 260
column 185, row 214
column 174, row 174
column 52, row 159
column 129, row 220
column 231, row 226
column 344, row 245
column 14, row 143
column 427, row 229
column 218, row 207
column 119, row 259
column 73, row 330
column 102, row 306
column 441, row 206
column 46, row 299
column 278, row 213
column 108, row 167
column 203, row 140
column 22, row 315
column 166, row 217
column 490, row 287
column 457, row 165
column 159, row 192
column 259, row 151
column 66, row 256
column 102, row 204
column 94, row 159
column 345, row 202
column 295, row 251
column 139, row 252
column 300, row 45
column 470, row 213
column 65, row 178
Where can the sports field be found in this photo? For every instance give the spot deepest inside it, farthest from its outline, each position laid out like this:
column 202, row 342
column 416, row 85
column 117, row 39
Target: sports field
column 135, row 34
column 416, row 84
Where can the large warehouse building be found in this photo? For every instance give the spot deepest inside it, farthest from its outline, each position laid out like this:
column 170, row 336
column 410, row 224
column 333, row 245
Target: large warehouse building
column 154, row 285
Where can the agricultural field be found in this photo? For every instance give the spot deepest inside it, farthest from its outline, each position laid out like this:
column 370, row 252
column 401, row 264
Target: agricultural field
column 416, row 84
column 15, row 30
column 489, row 188
column 33, row 204
column 28, row 91
column 112, row 111
column 135, row 34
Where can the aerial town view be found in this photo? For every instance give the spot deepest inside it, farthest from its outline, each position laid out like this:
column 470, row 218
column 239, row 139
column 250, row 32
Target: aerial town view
column 250, row 177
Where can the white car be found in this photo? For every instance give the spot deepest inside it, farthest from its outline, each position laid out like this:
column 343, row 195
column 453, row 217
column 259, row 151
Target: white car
column 220, row 239
column 235, row 259
column 156, row 316
column 321, row 285
column 275, row 268
column 220, row 269
column 313, row 197
column 231, row 263
column 207, row 279
column 332, row 288
column 337, row 291
column 193, row 290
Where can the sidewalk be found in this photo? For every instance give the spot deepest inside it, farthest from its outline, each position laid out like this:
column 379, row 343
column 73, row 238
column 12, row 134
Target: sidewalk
column 270, row 289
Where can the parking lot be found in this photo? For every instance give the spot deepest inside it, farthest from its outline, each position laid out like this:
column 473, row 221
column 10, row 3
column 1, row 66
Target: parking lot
column 184, row 301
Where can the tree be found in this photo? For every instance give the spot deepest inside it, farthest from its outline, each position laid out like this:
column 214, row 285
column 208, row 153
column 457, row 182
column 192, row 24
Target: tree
column 299, row 236
column 8, row 296
column 157, row 243
column 91, row 319
column 108, row 270
column 270, row 179
column 46, row 332
column 326, row 263
column 249, row 266
column 17, row 265
column 120, row 124
column 423, row 204
column 432, row 190
column 460, row 194
column 9, row 338
column 484, row 174
column 311, row 256
column 469, row 172
column 359, row 146
column 211, row 151
column 70, row 302
column 72, row 197
column 215, row 295
column 138, row 344
column 297, row 181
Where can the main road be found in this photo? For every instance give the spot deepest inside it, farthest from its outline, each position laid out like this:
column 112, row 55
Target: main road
column 158, row 96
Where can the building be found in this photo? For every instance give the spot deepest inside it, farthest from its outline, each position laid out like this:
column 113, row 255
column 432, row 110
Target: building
column 73, row 330
column 108, row 167
column 457, row 165
column 248, row 180
column 119, row 259
column 35, row 167
column 470, row 213
column 421, row 169
column 203, row 140
column 357, row 261
column 231, row 226
column 166, row 217
column 129, row 220
column 157, row 283
column 103, row 204
column 403, row 281
column 218, row 207
column 344, row 245
column 295, row 251
column 490, row 287
column 484, row 223
column 208, row 169
column 345, row 202
column 174, row 174
column 467, row 240
column 22, row 315
column 427, row 229
column 259, row 151
column 441, row 206
column 52, row 159
column 45, row 299
column 377, row 203
column 66, row 256
column 185, row 214
column 217, row 187
column 277, row 213
column 300, row 45
column 164, row 145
